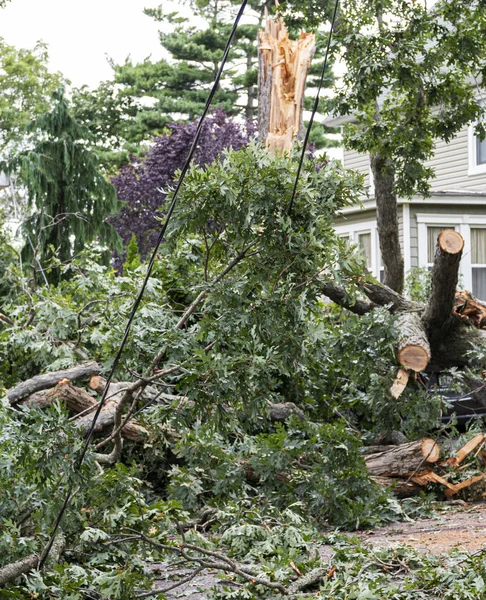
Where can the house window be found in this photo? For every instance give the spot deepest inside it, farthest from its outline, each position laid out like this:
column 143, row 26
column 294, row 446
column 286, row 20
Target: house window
column 364, row 242
column 480, row 151
column 472, row 227
column 364, row 236
column 477, row 153
column 478, row 262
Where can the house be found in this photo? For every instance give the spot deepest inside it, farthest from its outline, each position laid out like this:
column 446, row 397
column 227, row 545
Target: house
column 457, row 200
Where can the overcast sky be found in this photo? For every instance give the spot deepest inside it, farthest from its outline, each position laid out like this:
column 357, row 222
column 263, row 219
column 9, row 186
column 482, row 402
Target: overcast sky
column 81, row 33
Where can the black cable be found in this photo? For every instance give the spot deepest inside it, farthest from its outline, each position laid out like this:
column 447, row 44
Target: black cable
column 314, row 109
column 136, row 304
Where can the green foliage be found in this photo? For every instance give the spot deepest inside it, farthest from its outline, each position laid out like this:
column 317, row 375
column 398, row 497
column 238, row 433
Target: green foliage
column 260, row 333
column 132, row 260
column 108, row 114
column 318, row 467
column 26, row 86
column 410, row 80
column 66, row 190
column 8, row 259
column 417, row 284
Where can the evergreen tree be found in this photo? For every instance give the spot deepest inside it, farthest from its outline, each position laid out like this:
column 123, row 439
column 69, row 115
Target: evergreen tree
column 179, row 86
column 66, row 190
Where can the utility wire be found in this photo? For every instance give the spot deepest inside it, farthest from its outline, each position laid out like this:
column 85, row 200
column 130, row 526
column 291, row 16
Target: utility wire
column 136, row 304
column 314, row 108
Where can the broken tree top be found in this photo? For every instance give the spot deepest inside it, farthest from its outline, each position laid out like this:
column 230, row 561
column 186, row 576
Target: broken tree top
column 283, row 68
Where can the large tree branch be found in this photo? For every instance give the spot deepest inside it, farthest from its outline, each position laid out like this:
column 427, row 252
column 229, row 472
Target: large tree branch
column 14, row 570
column 49, row 380
column 338, row 294
column 383, row 295
column 444, row 278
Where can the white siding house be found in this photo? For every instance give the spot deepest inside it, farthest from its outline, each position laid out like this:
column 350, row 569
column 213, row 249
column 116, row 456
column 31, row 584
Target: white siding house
column 458, row 200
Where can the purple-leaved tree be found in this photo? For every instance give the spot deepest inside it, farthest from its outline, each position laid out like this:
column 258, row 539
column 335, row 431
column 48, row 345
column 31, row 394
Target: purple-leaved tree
column 143, row 184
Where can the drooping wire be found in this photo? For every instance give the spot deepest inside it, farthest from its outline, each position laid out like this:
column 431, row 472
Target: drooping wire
column 314, row 108
column 139, row 297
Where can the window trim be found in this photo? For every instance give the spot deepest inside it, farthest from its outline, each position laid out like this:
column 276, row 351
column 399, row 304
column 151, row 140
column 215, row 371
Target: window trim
column 474, row 168
column 462, row 224
column 353, row 230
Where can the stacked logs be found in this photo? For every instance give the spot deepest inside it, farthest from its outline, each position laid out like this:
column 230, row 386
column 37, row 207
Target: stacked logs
column 408, row 468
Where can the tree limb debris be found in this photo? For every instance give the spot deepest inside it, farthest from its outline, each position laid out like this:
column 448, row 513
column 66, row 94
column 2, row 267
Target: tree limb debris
column 49, row 380
column 407, row 468
column 16, row 569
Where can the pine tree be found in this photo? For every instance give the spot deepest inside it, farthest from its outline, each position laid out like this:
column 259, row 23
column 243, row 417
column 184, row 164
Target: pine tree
column 66, row 190
column 179, row 86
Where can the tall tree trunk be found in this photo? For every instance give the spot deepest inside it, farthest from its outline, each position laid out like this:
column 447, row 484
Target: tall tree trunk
column 387, row 222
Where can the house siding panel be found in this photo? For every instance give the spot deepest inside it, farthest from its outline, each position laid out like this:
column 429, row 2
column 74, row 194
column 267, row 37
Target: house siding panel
column 358, row 162
column 451, row 165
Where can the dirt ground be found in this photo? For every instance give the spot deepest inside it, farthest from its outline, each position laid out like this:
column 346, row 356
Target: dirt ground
column 456, row 526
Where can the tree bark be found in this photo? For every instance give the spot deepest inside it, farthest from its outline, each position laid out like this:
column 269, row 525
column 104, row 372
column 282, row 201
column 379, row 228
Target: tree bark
column 399, row 487
column 403, row 460
column 444, row 279
column 16, row 569
column 49, row 380
column 79, row 401
column 76, row 399
column 387, row 221
column 338, row 294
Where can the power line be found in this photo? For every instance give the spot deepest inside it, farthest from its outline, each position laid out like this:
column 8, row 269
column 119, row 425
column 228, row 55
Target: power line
column 314, row 108
column 136, row 304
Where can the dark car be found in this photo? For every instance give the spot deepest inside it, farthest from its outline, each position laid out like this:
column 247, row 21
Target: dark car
column 463, row 405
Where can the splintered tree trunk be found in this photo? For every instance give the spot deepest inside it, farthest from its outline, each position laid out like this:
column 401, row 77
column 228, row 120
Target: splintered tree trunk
column 283, row 68
column 405, row 459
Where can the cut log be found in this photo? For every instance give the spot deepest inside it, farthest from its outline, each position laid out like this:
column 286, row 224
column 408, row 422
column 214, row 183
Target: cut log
column 50, row 380
column 444, row 279
column 400, row 487
column 413, row 344
column 283, row 68
column 404, row 460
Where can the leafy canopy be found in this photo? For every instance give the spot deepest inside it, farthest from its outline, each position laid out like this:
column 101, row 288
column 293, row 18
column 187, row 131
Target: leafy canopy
column 26, row 87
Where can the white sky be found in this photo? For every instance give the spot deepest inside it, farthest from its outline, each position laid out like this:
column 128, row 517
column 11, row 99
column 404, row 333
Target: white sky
column 80, row 34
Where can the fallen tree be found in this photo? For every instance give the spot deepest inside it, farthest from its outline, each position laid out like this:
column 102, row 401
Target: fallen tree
column 439, row 334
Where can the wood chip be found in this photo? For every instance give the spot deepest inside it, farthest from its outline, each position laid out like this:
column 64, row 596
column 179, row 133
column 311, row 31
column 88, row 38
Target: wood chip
column 400, row 383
